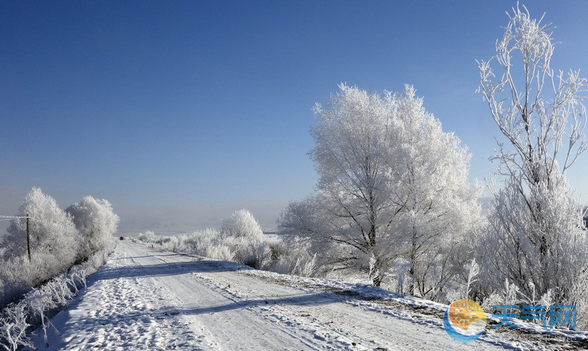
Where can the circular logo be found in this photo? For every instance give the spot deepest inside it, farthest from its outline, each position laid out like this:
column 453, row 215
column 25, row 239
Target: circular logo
column 464, row 321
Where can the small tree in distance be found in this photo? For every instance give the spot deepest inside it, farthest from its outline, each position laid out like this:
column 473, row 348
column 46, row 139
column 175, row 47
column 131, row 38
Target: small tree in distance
column 242, row 224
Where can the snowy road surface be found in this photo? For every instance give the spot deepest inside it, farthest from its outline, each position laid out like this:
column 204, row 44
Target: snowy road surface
column 145, row 299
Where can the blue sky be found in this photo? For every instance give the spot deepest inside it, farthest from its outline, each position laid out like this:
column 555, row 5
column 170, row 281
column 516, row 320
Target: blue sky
column 179, row 112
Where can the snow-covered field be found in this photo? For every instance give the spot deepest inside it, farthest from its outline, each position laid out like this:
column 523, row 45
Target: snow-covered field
column 145, row 299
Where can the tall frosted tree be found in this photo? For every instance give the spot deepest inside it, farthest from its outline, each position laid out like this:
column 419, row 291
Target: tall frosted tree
column 353, row 175
column 392, row 183
column 437, row 210
column 536, row 227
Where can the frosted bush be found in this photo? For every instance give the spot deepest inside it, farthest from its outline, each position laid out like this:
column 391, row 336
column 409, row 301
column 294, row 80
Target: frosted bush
column 201, row 241
column 242, row 224
column 240, row 240
column 219, row 252
column 148, row 237
column 297, row 260
column 13, row 326
column 37, row 305
column 19, row 274
column 170, row 243
column 96, row 222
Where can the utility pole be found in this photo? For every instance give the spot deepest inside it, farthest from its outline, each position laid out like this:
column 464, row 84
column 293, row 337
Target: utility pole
column 28, row 239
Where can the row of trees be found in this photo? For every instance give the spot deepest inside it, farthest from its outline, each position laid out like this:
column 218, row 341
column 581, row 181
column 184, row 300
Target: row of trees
column 393, row 195
column 58, row 238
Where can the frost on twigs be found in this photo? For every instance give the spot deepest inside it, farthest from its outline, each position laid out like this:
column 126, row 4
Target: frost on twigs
column 535, row 228
column 13, row 327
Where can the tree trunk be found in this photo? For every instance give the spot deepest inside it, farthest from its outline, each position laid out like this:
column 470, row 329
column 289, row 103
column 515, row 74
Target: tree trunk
column 376, row 272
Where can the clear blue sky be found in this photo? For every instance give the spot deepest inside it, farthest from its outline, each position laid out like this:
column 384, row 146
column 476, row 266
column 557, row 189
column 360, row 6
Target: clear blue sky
column 179, row 112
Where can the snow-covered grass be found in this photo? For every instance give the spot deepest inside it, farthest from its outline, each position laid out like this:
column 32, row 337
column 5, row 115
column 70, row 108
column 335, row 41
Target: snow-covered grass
column 259, row 253
column 264, row 252
column 38, row 305
column 240, row 240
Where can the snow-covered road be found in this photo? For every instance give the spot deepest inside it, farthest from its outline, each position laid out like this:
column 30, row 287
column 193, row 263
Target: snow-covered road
column 145, row 299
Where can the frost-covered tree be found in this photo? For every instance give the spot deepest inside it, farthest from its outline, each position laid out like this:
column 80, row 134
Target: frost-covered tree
column 353, row 174
column 241, row 224
column 52, row 232
column 392, row 183
column 96, row 222
column 304, row 232
column 437, row 209
column 536, row 228
column 304, row 220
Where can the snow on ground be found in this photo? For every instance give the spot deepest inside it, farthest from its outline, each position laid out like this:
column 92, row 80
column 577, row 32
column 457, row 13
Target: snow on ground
column 145, row 299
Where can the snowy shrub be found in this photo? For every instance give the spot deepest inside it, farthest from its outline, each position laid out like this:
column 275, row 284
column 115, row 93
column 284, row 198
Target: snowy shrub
column 256, row 254
column 96, row 222
column 12, row 284
column 38, row 305
column 303, row 265
column 219, row 251
column 294, row 256
column 168, row 243
column 242, row 224
column 148, row 237
column 204, row 243
column 19, row 274
column 13, row 327
column 240, row 240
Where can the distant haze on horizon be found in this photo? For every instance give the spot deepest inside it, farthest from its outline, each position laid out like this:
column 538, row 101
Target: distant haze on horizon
column 180, row 113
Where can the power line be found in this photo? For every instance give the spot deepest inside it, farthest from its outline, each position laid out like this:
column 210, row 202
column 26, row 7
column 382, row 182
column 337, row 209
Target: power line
column 14, row 217
column 9, row 218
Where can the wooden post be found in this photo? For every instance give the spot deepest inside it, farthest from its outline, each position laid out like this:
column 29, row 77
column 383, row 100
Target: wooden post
column 28, row 239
